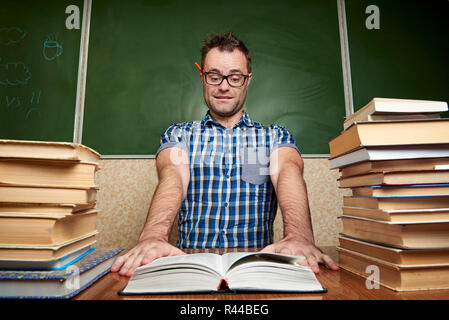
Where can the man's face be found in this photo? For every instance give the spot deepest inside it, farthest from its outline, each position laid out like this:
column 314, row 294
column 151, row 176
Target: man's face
column 224, row 100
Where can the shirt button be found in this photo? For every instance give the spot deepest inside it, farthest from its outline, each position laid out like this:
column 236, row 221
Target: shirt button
column 226, row 204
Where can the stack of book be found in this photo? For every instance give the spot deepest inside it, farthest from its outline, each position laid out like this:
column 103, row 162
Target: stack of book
column 394, row 156
column 48, row 218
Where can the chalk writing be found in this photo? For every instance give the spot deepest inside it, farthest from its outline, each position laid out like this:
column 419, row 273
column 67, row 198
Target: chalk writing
column 33, row 111
column 35, row 97
column 28, row 103
column 13, row 102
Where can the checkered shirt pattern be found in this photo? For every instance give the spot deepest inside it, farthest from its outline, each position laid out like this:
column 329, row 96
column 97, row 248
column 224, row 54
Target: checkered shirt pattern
column 230, row 202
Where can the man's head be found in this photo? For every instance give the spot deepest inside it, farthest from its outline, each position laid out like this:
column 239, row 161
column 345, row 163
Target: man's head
column 225, row 55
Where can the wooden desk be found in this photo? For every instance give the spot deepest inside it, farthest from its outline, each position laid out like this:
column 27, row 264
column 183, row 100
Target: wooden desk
column 341, row 285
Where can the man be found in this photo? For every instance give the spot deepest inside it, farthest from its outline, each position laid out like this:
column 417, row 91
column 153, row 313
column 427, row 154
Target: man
column 225, row 174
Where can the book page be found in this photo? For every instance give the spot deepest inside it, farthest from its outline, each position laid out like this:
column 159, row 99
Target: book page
column 209, row 261
column 228, row 259
column 269, row 272
column 234, row 259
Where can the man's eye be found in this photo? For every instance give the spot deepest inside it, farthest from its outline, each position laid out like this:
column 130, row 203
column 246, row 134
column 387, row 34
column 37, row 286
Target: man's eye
column 235, row 78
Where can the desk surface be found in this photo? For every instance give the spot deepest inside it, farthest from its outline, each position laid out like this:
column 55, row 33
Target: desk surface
column 341, row 285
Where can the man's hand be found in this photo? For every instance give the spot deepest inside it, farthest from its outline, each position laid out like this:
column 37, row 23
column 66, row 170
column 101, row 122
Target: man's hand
column 313, row 256
column 143, row 253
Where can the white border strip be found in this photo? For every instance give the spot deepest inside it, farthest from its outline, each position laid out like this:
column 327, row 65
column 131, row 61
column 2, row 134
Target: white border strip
column 345, row 61
column 82, row 73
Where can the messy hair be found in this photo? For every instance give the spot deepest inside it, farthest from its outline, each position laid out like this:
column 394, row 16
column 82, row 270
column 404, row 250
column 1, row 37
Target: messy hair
column 224, row 42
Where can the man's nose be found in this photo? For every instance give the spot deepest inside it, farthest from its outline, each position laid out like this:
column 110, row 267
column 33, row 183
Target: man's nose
column 224, row 85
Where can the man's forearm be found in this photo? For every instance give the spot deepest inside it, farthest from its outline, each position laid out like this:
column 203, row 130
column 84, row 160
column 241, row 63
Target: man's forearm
column 293, row 202
column 166, row 202
column 164, row 206
column 286, row 168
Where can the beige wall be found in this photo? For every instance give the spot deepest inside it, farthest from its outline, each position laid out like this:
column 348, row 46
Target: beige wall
column 127, row 186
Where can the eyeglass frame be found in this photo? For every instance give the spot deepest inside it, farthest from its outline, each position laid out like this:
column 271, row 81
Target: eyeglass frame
column 225, row 77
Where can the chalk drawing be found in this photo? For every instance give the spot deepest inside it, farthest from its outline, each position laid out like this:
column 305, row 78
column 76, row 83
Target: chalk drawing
column 14, row 73
column 52, row 48
column 11, row 35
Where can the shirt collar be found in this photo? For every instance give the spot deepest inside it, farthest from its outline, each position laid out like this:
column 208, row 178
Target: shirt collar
column 244, row 119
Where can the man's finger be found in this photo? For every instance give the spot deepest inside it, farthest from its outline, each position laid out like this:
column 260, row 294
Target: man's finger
column 276, row 248
column 119, row 262
column 136, row 263
column 124, row 271
column 303, row 262
column 176, row 252
column 329, row 262
column 148, row 258
column 270, row 249
column 313, row 263
column 285, row 250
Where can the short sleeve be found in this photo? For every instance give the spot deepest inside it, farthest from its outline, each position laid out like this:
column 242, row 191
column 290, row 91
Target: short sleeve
column 282, row 138
column 174, row 136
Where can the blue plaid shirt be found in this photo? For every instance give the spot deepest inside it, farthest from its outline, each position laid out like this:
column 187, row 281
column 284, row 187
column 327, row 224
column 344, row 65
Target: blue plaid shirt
column 230, row 199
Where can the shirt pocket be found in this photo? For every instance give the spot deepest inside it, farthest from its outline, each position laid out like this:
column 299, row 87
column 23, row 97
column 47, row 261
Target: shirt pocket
column 255, row 164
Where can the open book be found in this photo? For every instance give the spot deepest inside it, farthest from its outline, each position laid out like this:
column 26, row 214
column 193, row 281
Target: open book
column 235, row 271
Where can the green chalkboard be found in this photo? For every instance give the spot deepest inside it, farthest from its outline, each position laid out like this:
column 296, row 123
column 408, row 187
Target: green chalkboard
column 407, row 57
column 141, row 75
column 38, row 70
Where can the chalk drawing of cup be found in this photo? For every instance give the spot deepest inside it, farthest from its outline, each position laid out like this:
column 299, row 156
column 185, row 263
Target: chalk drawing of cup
column 52, row 49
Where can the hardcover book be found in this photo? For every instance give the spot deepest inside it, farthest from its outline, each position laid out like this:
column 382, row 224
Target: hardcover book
column 394, row 276
column 402, row 191
column 47, row 194
column 390, row 133
column 44, row 208
column 64, row 151
column 29, row 229
column 383, row 153
column 393, row 165
column 50, row 172
column 405, row 235
column 396, row 178
column 397, row 256
column 406, row 215
column 397, row 203
column 392, row 109
column 46, row 252
column 235, row 271
column 51, row 264
column 61, row 284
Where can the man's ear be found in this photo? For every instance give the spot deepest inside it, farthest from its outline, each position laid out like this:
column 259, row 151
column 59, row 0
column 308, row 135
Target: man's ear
column 250, row 76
